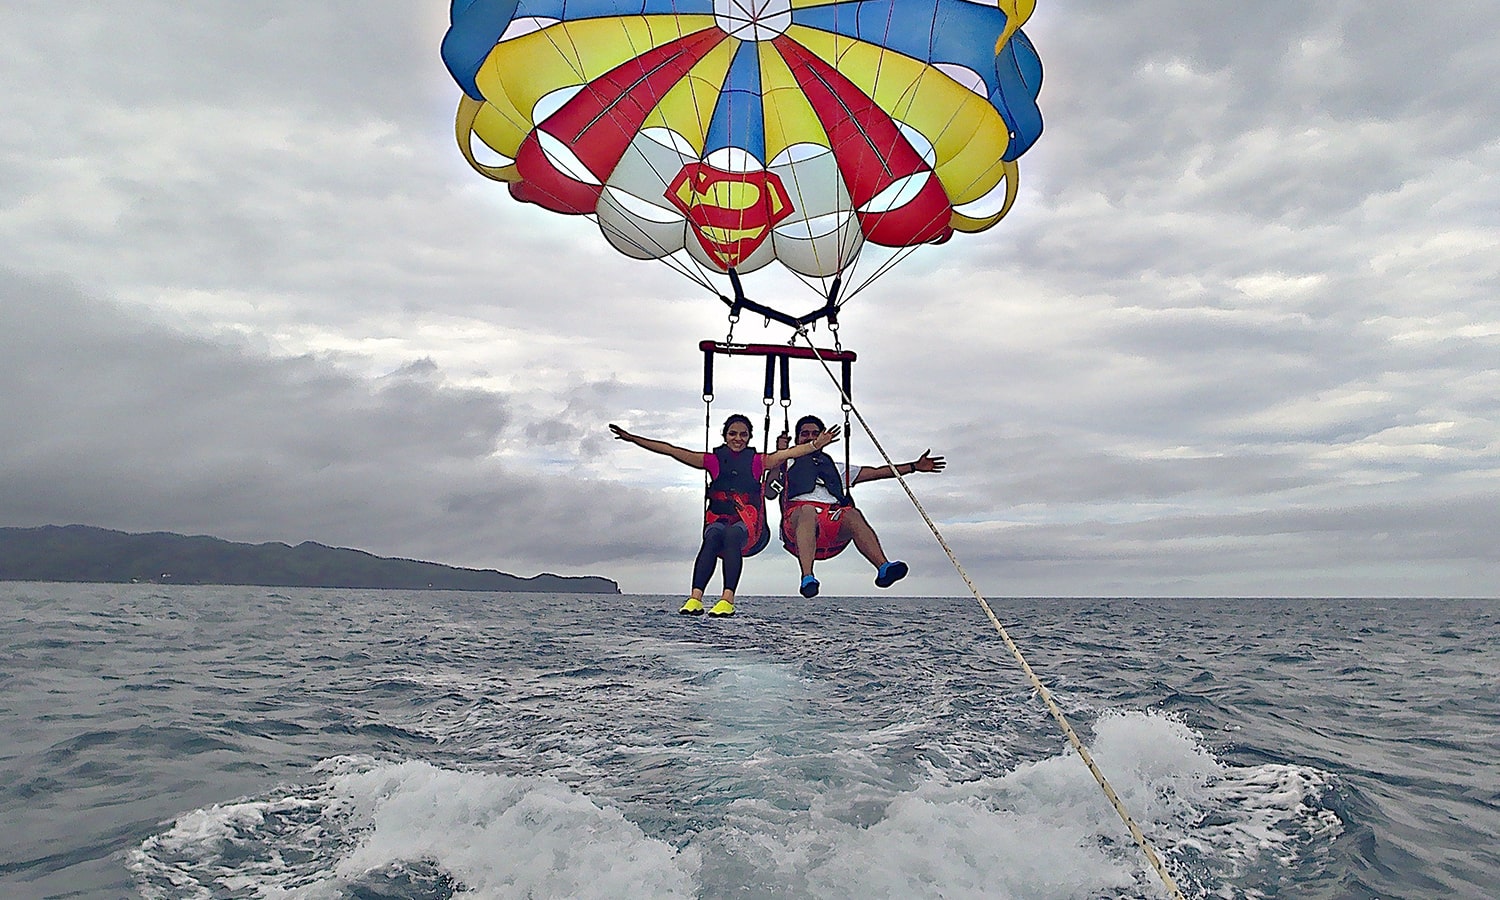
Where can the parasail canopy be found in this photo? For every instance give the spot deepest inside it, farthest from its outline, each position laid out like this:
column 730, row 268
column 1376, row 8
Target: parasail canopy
column 723, row 135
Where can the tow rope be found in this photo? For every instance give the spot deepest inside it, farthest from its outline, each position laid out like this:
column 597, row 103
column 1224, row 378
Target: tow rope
column 1015, row 651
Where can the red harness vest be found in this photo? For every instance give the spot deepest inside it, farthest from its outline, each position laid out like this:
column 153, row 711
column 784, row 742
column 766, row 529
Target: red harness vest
column 735, row 495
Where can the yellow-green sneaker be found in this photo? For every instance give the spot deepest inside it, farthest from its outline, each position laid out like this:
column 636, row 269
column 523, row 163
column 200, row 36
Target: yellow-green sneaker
column 722, row 608
column 693, row 607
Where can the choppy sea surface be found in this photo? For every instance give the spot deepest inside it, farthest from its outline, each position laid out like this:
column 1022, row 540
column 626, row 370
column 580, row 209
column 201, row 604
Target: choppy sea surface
column 242, row 742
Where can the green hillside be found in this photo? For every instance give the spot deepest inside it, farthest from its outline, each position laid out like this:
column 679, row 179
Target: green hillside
column 85, row 553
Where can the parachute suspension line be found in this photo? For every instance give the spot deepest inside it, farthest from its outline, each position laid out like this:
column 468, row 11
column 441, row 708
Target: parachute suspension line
column 574, row 57
column 1015, row 651
column 680, row 261
column 891, row 262
column 961, row 221
column 468, row 112
column 694, row 272
column 819, row 283
column 846, row 402
column 770, row 401
column 786, row 394
column 708, row 405
column 569, row 50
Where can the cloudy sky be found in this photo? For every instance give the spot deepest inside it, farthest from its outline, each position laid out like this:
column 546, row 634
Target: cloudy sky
column 1239, row 336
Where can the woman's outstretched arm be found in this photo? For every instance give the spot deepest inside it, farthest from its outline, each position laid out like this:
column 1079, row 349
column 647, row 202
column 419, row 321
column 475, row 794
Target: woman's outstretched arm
column 683, row 455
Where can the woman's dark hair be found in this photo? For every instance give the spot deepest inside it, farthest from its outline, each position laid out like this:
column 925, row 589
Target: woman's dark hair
column 738, row 417
column 805, row 420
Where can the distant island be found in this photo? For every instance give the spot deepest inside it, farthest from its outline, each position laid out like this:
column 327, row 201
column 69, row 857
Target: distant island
column 85, row 553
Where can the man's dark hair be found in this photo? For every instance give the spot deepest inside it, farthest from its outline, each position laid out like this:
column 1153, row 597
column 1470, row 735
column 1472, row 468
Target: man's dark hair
column 809, row 419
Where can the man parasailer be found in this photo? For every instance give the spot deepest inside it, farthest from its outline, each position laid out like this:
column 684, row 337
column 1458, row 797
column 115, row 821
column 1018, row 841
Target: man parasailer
column 818, row 517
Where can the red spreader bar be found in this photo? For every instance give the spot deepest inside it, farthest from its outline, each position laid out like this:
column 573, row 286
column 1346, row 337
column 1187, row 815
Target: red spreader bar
column 790, row 351
column 774, row 353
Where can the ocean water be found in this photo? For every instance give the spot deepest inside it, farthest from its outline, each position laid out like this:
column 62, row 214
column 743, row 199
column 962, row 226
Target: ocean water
column 242, row 742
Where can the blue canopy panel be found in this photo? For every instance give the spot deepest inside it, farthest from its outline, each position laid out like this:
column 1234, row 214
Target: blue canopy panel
column 738, row 118
column 943, row 31
column 476, row 25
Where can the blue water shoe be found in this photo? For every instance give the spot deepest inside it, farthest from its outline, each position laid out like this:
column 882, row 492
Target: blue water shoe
column 890, row 573
column 809, row 587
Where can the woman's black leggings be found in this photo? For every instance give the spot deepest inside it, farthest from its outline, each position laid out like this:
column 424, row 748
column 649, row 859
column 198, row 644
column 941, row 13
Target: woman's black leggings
column 726, row 540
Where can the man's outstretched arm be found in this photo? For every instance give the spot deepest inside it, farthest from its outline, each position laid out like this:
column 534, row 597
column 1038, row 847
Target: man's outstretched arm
column 924, row 463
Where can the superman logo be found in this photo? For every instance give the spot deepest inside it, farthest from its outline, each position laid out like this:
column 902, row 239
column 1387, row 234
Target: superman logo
column 731, row 212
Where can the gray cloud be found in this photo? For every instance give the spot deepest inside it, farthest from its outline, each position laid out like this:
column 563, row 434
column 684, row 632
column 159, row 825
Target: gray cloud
column 1238, row 335
column 121, row 422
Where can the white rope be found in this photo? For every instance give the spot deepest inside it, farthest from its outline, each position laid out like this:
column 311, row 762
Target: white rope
column 1015, row 651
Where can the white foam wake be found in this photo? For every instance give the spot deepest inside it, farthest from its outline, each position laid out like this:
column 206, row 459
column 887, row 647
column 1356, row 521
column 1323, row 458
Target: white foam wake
column 442, row 831
column 1042, row 831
